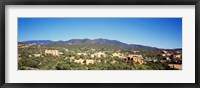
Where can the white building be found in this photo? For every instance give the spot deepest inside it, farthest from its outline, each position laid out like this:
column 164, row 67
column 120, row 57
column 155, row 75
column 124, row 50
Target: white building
column 82, row 54
column 98, row 55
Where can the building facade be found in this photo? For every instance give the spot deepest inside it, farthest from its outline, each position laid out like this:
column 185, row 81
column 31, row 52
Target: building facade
column 135, row 58
column 52, row 52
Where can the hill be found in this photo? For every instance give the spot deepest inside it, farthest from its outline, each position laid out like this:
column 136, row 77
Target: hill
column 96, row 43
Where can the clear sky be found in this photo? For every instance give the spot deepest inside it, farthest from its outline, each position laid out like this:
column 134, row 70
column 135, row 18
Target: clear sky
column 155, row 32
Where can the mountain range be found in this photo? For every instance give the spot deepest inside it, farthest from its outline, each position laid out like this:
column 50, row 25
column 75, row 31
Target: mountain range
column 94, row 41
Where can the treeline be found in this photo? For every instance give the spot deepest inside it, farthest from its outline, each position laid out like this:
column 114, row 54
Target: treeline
column 49, row 62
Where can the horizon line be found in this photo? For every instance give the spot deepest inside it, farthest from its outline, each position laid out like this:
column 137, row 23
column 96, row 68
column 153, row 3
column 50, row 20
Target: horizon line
column 100, row 38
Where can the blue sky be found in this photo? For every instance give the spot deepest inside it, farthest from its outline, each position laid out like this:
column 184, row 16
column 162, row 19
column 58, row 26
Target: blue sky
column 156, row 32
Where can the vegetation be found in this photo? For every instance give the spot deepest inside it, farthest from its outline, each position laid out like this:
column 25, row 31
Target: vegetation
column 27, row 60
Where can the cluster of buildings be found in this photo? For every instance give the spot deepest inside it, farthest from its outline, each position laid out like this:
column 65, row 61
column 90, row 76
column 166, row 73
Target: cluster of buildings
column 98, row 55
column 176, row 66
column 132, row 57
column 135, row 58
column 95, row 55
column 86, row 61
column 52, row 52
column 175, row 56
column 169, row 55
column 120, row 55
column 24, row 45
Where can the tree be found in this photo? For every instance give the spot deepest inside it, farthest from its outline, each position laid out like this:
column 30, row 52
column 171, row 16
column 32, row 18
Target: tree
column 62, row 66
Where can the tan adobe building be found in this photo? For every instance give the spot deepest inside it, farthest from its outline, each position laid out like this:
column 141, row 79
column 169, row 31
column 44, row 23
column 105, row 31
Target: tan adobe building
column 135, row 58
column 37, row 55
column 52, row 52
column 89, row 61
column 82, row 54
column 176, row 66
column 136, row 51
column 166, row 55
column 24, row 45
column 177, row 56
column 120, row 55
column 81, row 61
column 98, row 55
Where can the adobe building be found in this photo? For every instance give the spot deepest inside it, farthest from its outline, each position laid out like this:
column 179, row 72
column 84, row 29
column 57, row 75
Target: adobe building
column 177, row 56
column 37, row 55
column 135, row 58
column 120, row 55
column 168, row 56
column 52, row 52
column 176, row 66
column 98, row 55
column 80, row 61
column 89, row 61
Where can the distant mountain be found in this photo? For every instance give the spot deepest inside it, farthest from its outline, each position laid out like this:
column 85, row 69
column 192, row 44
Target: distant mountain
column 111, row 42
column 95, row 41
column 176, row 49
column 42, row 42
